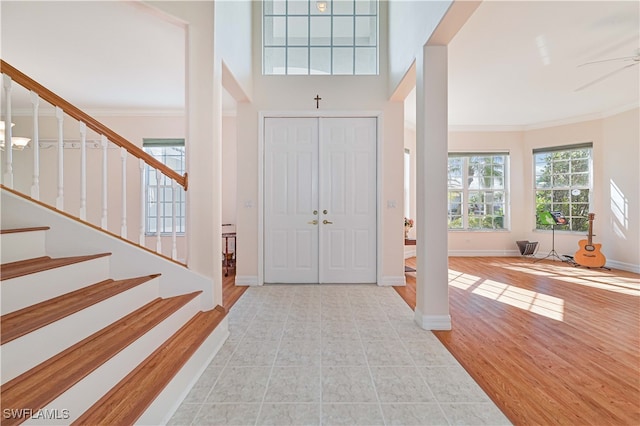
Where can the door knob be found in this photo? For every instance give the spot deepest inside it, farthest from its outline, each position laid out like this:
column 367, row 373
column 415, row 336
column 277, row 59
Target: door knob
column 315, row 212
column 313, row 222
column 326, row 222
column 324, row 211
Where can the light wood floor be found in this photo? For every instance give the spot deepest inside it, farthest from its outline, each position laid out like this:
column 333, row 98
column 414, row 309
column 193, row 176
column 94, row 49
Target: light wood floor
column 231, row 292
column 551, row 344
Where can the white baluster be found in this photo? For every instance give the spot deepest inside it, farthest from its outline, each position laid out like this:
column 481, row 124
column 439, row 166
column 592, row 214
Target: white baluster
column 158, row 218
column 123, row 224
column 143, row 201
column 83, row 171
column 35, row 186
column 8, row 145
column 60, row 199
column 174, row 245
column 104, row 143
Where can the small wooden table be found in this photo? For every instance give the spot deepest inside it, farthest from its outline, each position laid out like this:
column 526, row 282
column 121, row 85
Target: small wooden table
column 229, row 262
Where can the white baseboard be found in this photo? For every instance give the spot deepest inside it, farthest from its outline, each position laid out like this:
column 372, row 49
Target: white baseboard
column 392, row 281
column 249, row 280
column 432, row 322
column 484, row 253
column 630, row 267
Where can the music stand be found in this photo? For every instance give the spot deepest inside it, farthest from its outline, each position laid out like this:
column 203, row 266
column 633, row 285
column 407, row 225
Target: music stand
column 553, row 219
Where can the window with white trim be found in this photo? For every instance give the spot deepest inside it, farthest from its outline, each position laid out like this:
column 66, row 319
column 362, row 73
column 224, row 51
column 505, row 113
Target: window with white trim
column 335, row 37
column 477, row 190
column 563, row 182
column 169, row 152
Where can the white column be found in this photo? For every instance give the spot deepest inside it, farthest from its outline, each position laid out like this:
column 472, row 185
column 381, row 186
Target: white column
column 8, row 146
column 60, row 198
column 143, row 203
column 432, row 288
column 123, row 223
column 104, row 143
column 202, row 144
column 35, row 185
column 83, row 171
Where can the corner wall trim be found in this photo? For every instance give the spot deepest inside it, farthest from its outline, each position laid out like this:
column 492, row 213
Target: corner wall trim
column 392, row 281
column 432, row 322
column 250, row 280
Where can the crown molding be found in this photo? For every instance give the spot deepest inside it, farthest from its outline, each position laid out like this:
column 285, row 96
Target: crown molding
column 544, row 124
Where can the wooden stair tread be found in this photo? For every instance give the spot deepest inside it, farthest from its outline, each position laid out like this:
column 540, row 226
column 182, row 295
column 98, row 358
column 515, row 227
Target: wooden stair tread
column 128, row 400
column 45, row 382
column 39, row 264
column 23, row 321
column 17, row 230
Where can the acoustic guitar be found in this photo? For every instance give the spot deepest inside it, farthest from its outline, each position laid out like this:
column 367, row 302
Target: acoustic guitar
column 589, row 254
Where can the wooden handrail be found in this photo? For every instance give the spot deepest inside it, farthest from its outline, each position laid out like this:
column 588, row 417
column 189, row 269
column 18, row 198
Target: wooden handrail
column 69, row 109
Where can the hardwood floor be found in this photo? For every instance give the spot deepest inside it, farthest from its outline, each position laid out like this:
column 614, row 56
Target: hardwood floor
column 231, row 292
column 551, row 344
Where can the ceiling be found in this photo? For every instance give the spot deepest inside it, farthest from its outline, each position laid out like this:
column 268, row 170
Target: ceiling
column 514, row 63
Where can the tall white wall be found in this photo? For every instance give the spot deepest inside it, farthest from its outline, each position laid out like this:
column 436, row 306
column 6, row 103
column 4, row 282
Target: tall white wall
column 338, row 93
column 234, row 32
column 229, row 169
column 619, row 214
column 411, row 23
column 203, row 140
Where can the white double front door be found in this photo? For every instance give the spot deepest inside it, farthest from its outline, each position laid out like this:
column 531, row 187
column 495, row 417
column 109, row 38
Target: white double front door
column 320, row 200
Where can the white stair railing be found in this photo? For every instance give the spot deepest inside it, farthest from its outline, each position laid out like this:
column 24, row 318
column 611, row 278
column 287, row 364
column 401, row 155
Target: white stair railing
column 35, row 186
column 91, row 203
column 83, row 171
column 60, row 120
column 8, row 137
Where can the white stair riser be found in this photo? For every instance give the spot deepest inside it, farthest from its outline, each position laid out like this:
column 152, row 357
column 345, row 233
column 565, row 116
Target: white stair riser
column 164, row 406
column 20, row 292
column 22, row 245
column 90, row 389
column 26, row 352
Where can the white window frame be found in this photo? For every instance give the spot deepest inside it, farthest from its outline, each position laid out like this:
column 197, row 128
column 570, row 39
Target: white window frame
column 269, row 12
column 575, row 209
column 464, row 189
column 151, row 146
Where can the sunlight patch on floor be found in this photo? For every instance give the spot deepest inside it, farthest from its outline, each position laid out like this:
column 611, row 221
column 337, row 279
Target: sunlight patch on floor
column 461, row 280
column 537, row 303
column 600, row 279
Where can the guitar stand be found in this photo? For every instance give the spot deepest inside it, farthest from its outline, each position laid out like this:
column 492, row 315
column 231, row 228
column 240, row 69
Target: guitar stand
column 570, row 260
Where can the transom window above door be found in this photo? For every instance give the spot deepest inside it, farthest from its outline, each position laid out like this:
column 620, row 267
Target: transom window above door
column 331, row 37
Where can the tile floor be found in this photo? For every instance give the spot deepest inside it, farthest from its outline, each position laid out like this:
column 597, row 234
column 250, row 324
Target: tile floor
column 332, row 355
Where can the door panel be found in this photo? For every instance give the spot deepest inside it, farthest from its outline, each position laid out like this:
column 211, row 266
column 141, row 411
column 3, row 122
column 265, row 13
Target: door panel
column 290, row 197
column 314, row 164
column 348, row 193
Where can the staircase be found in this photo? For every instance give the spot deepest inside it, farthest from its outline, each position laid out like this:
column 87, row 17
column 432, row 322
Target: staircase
column 83, row 344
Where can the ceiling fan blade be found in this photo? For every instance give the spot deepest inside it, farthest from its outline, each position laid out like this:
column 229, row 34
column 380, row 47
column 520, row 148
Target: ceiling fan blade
column 604, row 77
column 623, row 58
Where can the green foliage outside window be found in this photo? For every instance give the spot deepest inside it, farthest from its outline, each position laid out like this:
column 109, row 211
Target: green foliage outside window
column 562, row 183
column 477, row 191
